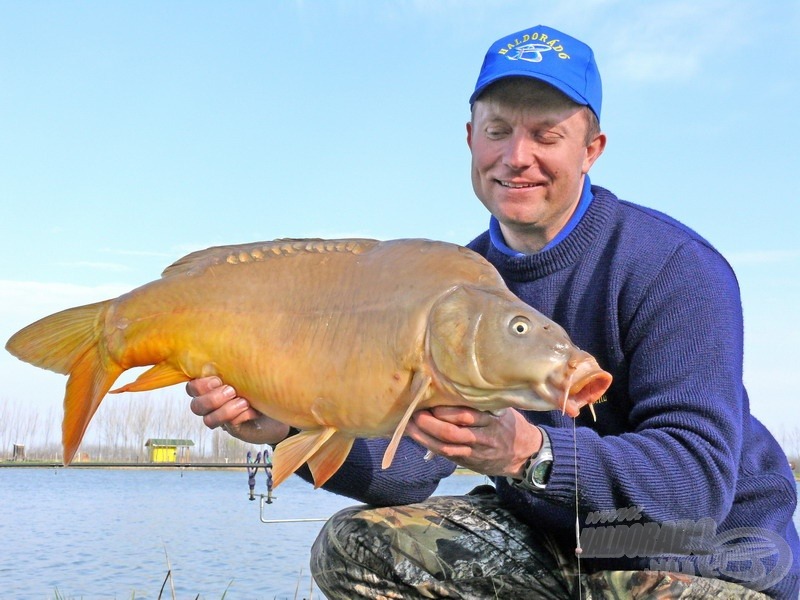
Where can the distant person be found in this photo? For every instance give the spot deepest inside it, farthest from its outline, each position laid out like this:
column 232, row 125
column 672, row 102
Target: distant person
column 681, row 492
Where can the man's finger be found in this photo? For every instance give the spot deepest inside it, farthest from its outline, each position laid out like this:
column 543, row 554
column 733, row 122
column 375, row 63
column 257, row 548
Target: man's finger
column 202, row 385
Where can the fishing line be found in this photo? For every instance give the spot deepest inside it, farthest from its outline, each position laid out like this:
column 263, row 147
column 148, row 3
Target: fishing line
column 578, row 549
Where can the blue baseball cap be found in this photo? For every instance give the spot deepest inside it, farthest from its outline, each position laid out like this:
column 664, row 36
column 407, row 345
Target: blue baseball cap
column 546, row 54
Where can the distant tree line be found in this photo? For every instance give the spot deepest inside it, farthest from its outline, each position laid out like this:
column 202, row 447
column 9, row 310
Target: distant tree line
column 118, row 431
column 124, row 423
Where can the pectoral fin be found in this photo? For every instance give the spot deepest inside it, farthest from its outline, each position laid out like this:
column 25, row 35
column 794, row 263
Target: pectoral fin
column 292, row 452
column 419, row 385
column 159, row 376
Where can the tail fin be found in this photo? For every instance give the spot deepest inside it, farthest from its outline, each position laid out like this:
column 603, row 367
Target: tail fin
column 68, row 343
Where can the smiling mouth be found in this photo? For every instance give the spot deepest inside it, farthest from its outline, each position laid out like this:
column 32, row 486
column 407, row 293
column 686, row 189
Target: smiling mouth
column 516, row 186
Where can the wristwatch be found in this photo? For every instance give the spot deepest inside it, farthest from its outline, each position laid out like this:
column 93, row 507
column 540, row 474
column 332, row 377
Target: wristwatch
column 536, row 471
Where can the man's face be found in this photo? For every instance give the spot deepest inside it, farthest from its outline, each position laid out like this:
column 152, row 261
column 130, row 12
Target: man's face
column 528, row 165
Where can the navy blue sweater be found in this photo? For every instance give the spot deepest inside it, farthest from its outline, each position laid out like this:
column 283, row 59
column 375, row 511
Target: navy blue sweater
column 674, row 443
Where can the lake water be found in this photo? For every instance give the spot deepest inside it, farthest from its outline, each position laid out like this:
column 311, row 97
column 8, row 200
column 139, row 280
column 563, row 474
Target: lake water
column 114, row 534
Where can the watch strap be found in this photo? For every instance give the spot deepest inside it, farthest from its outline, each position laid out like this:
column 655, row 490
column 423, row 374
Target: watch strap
column 536, row 470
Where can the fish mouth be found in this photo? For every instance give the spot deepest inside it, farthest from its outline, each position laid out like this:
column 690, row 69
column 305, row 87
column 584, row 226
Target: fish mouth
column 578, row 383
column 587, row 383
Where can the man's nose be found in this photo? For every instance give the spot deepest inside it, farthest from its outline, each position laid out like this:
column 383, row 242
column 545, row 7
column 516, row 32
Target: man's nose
column 519, row 152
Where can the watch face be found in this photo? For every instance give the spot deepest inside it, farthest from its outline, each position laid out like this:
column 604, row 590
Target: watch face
column 541, row 472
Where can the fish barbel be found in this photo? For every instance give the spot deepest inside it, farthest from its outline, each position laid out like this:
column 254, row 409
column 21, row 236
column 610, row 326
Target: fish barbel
column 338, row 338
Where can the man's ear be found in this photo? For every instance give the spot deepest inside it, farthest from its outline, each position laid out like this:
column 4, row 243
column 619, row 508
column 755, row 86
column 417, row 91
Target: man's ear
column 593, row 151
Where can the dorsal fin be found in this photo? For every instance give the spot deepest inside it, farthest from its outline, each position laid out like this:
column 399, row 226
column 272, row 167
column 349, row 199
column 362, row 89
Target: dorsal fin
column 197, row 262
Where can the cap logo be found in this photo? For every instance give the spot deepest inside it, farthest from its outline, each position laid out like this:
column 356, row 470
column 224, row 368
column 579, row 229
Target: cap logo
column 532, row 52
column 529, row 52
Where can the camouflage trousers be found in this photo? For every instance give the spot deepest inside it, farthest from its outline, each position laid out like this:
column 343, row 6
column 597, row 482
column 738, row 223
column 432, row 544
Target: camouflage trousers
column 470, row 547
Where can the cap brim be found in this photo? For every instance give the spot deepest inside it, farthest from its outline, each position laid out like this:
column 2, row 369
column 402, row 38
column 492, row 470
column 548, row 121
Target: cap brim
column 559, row 85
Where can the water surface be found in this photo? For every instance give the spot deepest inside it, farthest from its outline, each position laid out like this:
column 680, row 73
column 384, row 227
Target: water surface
column 103, row 533
column 114, row 534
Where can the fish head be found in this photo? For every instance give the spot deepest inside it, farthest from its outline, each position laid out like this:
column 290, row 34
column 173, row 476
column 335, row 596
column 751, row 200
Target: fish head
column 496, row 352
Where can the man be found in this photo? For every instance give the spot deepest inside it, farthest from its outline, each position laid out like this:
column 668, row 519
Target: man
column 676, row 490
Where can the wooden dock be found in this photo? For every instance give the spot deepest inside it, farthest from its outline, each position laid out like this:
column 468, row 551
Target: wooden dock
column 126, row 465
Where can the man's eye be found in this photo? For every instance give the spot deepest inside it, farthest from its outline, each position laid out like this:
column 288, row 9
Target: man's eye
column 548, row 138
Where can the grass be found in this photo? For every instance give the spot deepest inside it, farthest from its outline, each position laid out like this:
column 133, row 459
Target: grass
column 169, row 579
column 59, row 596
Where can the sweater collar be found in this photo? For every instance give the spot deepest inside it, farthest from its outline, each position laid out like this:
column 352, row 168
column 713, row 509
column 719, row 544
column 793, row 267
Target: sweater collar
column 499, row 242
column 554, row 257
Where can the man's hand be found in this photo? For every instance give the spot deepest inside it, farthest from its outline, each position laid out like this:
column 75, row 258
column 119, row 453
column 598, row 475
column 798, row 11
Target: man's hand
column 220, row 406
column 487, row 444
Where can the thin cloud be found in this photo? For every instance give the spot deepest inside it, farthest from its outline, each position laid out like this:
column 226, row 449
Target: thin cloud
column 119, row 252
column 763, row 257
column 669, row 41
column 95, row 266
column 11, row 289
column 23, row 301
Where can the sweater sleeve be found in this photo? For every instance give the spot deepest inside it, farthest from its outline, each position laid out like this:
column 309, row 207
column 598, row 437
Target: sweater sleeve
column 685, row 403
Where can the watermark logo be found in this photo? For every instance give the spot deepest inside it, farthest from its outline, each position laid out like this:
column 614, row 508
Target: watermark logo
column 632, row 513
column 755, row 557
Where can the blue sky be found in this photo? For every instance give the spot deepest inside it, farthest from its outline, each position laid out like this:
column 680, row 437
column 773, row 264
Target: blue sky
column 134, row 132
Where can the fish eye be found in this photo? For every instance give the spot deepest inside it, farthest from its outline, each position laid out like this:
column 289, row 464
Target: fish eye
column 520, row 325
